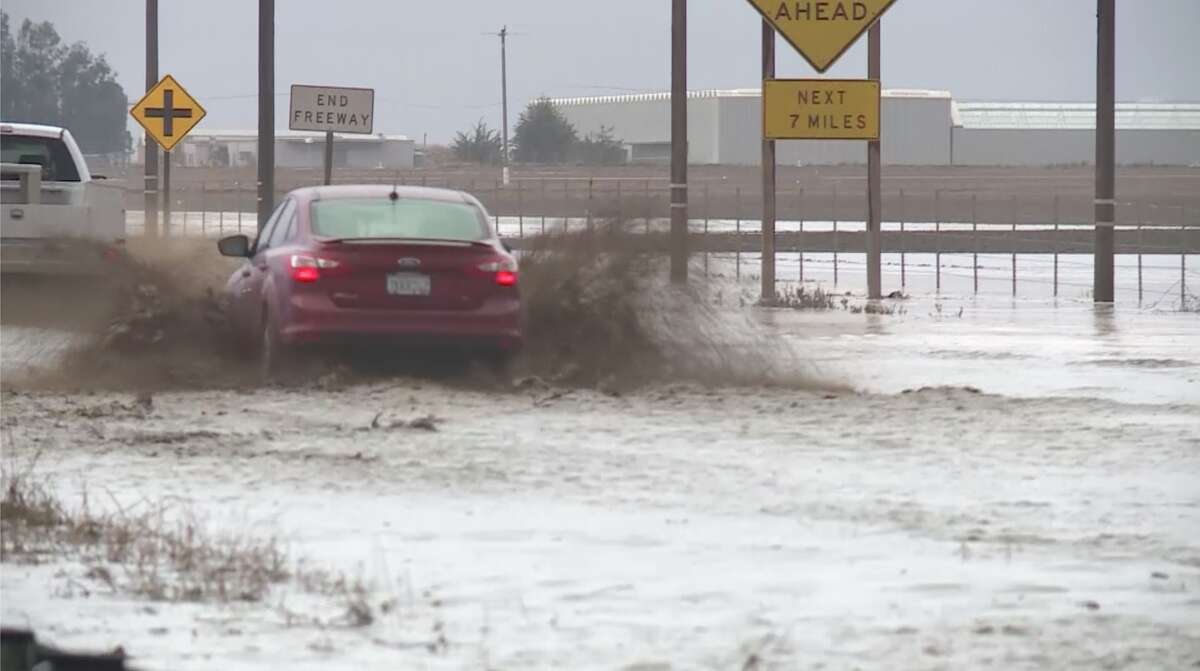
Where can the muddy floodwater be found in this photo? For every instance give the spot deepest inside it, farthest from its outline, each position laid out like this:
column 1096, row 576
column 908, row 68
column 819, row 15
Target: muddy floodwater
column 959, row 484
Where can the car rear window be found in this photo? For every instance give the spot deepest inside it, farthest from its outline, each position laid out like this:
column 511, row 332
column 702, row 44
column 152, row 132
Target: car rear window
column 49, row 152
column 400, row 218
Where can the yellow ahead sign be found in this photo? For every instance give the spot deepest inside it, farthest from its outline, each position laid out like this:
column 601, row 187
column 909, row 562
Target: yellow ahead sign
column 821, row 109
column 167, row 112
column 821, row 30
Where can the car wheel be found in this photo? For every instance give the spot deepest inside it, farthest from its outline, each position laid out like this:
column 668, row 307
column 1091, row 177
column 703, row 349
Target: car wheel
column 273, row 354
column 499, row 366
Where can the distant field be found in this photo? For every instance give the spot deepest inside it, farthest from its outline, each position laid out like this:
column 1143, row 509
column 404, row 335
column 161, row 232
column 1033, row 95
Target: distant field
column 1153, row 195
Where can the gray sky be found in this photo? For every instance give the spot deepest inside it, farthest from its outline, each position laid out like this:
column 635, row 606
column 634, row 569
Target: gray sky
column 435, row 72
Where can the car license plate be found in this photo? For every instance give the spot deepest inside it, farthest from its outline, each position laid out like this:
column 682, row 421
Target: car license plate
column 408, row 284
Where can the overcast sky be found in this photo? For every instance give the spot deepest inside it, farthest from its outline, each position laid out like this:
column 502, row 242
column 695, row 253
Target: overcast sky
column 435, row 71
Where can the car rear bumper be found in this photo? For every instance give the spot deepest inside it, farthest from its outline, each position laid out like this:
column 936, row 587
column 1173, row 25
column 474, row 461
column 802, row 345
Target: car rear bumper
column 313, row 319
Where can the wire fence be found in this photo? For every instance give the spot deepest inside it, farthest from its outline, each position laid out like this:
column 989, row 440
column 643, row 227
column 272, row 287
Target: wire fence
column 939, row 240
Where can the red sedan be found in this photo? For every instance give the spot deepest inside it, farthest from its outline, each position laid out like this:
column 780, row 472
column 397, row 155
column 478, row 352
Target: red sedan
column 408, row 266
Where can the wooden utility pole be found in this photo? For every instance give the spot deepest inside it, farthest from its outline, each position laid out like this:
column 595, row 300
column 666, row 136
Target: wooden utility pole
column 1105, row 206
column 679, row 148
column 768, row 174
column 150, row 187
column 504, row 104
column 266, row 110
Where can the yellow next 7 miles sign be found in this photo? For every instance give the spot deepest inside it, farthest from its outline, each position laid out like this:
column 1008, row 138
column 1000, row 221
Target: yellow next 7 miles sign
column 821, row 30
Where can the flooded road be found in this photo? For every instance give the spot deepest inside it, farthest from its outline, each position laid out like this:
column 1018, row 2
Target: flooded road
column 1020, row 348
column 1044, row 517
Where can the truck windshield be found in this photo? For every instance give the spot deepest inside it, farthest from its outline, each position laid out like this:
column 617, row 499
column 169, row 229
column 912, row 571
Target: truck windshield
column 402, row 218
column 49, row 152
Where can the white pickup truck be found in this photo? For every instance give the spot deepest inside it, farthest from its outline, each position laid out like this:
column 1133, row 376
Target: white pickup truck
column 55, row 218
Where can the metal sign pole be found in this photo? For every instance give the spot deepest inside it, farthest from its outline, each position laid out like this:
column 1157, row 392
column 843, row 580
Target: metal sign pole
column 328, row 158
column 150, row 157
column 768, row 175
column 679, row 149
column 166, row 194
column 874, row 181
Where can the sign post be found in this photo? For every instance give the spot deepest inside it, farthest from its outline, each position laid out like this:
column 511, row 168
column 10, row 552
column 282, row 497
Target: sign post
column 768, row 175
column 874, row 183
column 168, row 113
column 1105, row 205
column 328, row 158
column 679, row 146
column 332, row 109
column 822, row 109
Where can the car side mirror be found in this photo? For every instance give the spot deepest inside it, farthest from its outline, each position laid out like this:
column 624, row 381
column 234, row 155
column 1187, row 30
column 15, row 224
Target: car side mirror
column 234, row 245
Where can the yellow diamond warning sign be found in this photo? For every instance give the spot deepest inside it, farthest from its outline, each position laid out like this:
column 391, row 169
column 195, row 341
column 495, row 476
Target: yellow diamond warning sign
column 821, row 30
column 821, row 109
column 167, row 112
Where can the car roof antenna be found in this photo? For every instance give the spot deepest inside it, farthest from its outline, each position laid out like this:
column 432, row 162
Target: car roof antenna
column 395, row 194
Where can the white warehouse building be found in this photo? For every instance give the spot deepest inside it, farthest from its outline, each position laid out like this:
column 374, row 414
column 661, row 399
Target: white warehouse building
column 919, row 127
column 293, row 149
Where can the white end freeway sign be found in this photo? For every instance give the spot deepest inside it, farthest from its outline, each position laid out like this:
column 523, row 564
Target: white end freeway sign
column 332, row 109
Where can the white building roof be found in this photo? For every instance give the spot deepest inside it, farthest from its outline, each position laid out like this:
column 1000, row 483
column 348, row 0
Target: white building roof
column 1076, row 116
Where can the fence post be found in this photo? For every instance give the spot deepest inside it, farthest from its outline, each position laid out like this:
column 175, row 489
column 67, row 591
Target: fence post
column 1140, row 243
column 737, row 249
column 1014, row 253
column 542, row 201
column 834, row 217
column 520, row 211
column 903, row 271
column 203, row 209
column 937, row 235
column 589, row 205
column 496, row 212
column 975, row 236
column 237, row 190
column 621, row 207
column 706, row 238
column 800, row 232
column 1182, row 258
column 1056, row 245
column 647, row 209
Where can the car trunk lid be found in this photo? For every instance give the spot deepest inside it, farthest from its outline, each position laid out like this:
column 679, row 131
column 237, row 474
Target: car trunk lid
column 405, row 274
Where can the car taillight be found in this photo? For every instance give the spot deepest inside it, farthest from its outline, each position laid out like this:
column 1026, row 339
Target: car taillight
column 505, row 270
column 306, row 269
